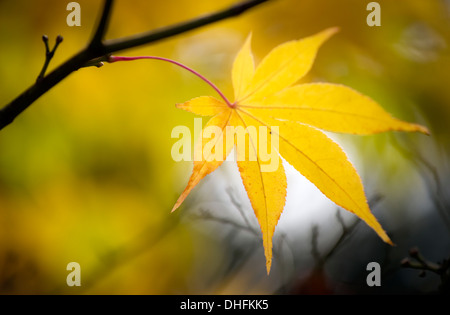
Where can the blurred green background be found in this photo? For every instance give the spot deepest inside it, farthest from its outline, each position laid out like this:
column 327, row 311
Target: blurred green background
column 86, row 173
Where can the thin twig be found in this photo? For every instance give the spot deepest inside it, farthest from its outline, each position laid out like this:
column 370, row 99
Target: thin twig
column 346, row 232
column 152, row 36
column 420, row 263
column 205, row 215
column 437, row 196
column 48, row 54
column 237, row 205
column 9, row 112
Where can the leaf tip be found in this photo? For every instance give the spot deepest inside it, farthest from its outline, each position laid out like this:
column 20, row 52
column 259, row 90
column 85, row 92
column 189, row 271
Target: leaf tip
column 324, row 35
column 387, row 240
column 424, row 130
column 175, row 207
column 331, row 31
column 383, row 235
column 418, row 128
column 249, row 36
column 268, row 265
column 268, row 254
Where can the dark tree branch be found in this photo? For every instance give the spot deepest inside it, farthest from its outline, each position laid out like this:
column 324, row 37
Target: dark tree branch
column 96, row 41
column 152, row 36
column 99, row 51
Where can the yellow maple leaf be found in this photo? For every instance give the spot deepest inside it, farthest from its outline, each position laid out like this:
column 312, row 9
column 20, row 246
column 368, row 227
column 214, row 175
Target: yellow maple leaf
column 266, row 97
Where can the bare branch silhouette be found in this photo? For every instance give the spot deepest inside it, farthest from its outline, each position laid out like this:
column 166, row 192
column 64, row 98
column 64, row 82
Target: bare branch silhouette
column 99, row 50
column 420, row 263
column 437, row 195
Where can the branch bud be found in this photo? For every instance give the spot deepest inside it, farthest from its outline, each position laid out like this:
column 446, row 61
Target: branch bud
column 405, row 262
column 414, row 252
column 59, row 39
